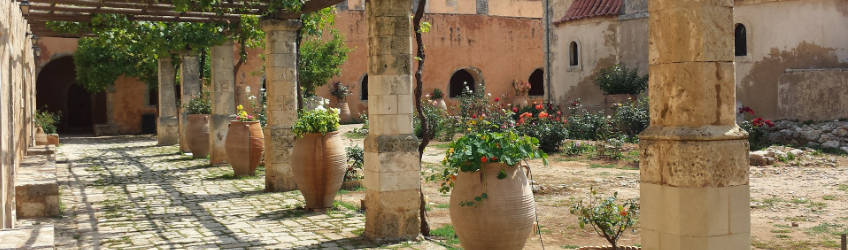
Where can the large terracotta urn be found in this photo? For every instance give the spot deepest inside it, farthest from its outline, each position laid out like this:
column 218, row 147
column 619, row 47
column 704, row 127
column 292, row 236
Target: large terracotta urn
column 318, row 164
column 442, row 105
column 504, row 220
column 198, row 135
column 344, row 112
column 245, row 143
column 40, row 136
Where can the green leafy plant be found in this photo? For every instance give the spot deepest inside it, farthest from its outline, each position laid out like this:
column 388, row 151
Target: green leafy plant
column 243, row 116
column 319, row 61
column 575, row 148
column 631, row 118
column 47, row 121
column 340, row 91
column 607, row 217
column 469, row 153
column 199, row 105
column 584, row 124
column 619, row 79
column 258, row 106
column 756, row 127
column 362, row 131
column 355, row 160
column 437, row 94
column 317, row 121
column 548, row 124
column 434, row 115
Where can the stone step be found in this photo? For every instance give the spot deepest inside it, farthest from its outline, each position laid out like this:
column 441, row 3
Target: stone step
column 36, row 187
column 28, row 237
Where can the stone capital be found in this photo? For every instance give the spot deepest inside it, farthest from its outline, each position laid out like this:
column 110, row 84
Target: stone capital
column 280, row 25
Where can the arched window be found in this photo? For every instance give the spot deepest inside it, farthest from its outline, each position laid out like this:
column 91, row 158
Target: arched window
column 573, row 54
column 459, row 81
column 537, row 83
column 364, row 93
column 741, row 40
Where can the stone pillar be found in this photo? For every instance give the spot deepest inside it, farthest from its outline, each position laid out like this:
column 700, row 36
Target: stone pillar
column 167, row 128
column 392, row 175
column 281, row 75
column 694, row 172
column 223, row 100
column 190, row 87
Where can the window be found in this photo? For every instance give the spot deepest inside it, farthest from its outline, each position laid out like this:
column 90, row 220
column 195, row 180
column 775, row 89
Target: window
column 363, row 95
column 537, row 83
column 573, row 54
column 741, row 37
column 459, row 81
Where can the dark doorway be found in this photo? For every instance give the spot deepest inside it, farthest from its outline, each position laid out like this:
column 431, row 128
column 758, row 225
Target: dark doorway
column 574, row 54
column 537, row 83
column 459, row 81
column 741, row 39
column 57, row 91
column 79, row 116
column 363, row 95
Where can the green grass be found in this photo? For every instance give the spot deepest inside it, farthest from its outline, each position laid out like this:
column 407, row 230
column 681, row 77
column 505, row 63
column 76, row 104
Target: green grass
column 593, row 165
column 783, row 236
column 338, row 205
column 447, row 233
column 569, row 247
column 441, row 145
column 799, row 201
column 815, row 205
column 355, row 136
column 771, row 202
column 358, row 231
column 829, row 197
column 828, row 228
column 842, row 187
column 443, row 206
column 781, row 231
column 357, row 189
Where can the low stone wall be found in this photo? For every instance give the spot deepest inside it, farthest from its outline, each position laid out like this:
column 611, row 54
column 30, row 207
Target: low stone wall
column 813, row 94
column 827, row 135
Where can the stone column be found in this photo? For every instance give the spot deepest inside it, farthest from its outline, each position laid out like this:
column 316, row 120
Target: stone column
column 392, row 175
column 281, row 75
column 223, row 100
column 167, row 128
column 694, row 172
column 190, row 87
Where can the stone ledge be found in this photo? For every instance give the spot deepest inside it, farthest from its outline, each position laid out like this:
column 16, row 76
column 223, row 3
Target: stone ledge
column 31, row 237
column 36, row 188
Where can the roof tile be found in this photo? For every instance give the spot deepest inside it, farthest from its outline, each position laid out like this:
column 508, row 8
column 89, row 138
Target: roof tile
column 581, row 9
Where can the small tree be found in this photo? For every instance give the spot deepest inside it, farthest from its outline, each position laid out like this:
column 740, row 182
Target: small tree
column 606, row 217
column 319, row 61
column 619, row 79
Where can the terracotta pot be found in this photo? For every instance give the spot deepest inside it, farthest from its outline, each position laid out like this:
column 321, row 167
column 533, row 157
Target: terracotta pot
column 53, row 139
column 520, row 101
column 610, row 248
column 502, row 221
column 198, row 135
column 318, row 164
column 344, row 112
column 442, row 104
column 244, row 145
column 40, row 136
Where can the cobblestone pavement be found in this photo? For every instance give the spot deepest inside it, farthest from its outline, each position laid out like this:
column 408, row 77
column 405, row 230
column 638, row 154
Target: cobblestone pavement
column 127, row 193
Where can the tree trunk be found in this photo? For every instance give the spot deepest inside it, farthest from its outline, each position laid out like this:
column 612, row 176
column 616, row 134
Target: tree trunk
column 427, row 135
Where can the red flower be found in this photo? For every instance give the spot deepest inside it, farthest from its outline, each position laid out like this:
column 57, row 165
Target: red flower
column 493, row 159
column 623, row 213
column 514, row 109
column 559, row 112
column 539, row 107
column 474, row 116
column 497, row 99
column 484, row 159
column 769, row 123
column 543, row 115
column 757, row 122
column 746, row 109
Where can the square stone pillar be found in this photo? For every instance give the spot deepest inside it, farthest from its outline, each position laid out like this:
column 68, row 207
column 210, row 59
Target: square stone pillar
column 190, row 87
column 168, row 125
column 694, row 158
column 223, row 100
column 281, row 84
column 392, row 174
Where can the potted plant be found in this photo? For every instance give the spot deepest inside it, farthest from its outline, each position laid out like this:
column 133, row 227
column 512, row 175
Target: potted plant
column 522, row 88
column 197, row 127
column 341, row 91
column 244, row 143
column 45, row 130
column 608, row 218
column 620, row 85
column 353, row 175
column 491, row 202
column 438, row 96
column 318, row 157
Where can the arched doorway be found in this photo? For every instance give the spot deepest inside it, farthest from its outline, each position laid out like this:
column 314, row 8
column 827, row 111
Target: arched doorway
column 537, row 83
column 460, row 80
column 57, row 91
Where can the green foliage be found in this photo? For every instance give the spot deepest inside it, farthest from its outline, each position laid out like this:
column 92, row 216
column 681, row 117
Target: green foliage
column 362, row 131
column 608, row 218
column 320, row 61
column 317, row 121
column 578, row 148
column 258, row 106
column 437, row 94
column 631, row 118
column 619, row 79
column 199, row 105
column 611, row 149
column 47, row 121
column 547, row 124
column 435, row 117
column 243, row 116
column 355, row 161
column 756, row 128
column 584, row 124
column 340, row 91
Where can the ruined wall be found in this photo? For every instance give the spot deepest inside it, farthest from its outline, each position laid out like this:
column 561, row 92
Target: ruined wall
column 807, row 34
column 598, row 44
column 16, row 89
column 813, row 94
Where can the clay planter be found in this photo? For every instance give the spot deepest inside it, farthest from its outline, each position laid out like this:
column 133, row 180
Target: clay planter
column 40, row 136
column 53, row 139
column 442, row 104
column 610, row 248
column 198, row 135
column 244, row 145
column 344, row 112
column 318, row 164
column 502, row 221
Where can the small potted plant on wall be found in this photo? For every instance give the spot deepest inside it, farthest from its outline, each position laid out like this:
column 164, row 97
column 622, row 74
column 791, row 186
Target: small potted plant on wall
column 491, row 202
column 439, row 96
column 522, row 89
column 245, row 143
column 620, row 84
column 318, row 157
column 341, row 91
column 198, row 110
column 607, row 217
column 45, row 130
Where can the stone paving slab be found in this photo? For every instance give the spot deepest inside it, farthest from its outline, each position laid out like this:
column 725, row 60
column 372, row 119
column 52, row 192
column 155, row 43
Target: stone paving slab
column 27, row 237
column 125, row 192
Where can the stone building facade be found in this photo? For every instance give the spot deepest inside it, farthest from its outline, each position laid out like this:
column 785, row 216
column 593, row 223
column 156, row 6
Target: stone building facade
column 17, row 102
column 775, row 40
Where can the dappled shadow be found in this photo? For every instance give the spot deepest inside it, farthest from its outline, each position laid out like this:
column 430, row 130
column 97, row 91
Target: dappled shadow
column 285, row 214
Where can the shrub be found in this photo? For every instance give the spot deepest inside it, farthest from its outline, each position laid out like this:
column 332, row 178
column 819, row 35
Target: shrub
column 632, row 117
column 434, row 116
column 477, row 113
column 619, row 79
column 317, row 121
column 578, row 148
column 756, row 128
column 611, row 149
column 355, row 160
column 242, row 115
column 364, row 129
column 584, row 124
column 548, row 125
column 608, row 218
column 437, row 94
column 199, row 105
column 47, row 121
column 259, row 107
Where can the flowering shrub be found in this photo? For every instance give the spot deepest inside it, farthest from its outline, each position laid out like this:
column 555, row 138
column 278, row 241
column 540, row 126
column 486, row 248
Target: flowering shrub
column 242, row 115
column 547, row 124
column 619, row 79
column 755, row 127
column 477, row 113
column 584, row 124
column 608, row 218
column 631, row 118
column 258, row 106
column 469, row 153
column 199, row 105
column 355, row 160
column 434, row 116
column 577, row 148
column 47, row 121
column 320, row 120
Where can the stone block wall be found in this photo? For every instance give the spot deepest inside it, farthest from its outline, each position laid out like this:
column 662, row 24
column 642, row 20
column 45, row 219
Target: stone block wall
column 17, row 91
column 813, row 94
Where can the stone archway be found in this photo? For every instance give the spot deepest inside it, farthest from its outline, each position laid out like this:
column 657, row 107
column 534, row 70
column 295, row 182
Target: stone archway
column 57, row 91
column 464, row 78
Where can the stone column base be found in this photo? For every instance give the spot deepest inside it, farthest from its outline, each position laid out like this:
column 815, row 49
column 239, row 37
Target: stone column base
column 168, row 130
column 279, row 143
column 393, row 182
column 218, row 127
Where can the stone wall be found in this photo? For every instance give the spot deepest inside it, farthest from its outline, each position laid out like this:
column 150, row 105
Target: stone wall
column 832, row 135
column 816, row 94
column 598, row 48
column 16, row 102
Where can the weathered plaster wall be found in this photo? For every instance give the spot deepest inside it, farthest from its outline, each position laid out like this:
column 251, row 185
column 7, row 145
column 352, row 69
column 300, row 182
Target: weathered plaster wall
column 787, row 34
column 516, row 8
column 598, row 44
column 16, row 103
column 817, row 94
